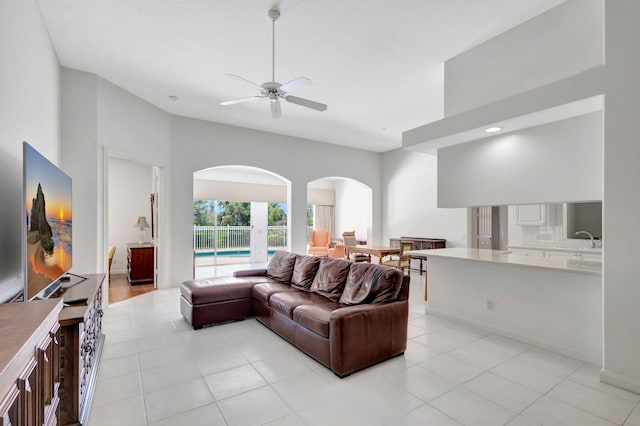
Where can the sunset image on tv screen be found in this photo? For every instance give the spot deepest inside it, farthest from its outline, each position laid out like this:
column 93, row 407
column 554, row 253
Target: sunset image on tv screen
column 49, row 221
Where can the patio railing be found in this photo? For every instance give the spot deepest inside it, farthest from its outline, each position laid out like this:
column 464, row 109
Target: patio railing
column 210, row 238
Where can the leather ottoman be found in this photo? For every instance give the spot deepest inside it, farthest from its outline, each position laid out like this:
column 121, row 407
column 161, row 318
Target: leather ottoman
column 214, row 300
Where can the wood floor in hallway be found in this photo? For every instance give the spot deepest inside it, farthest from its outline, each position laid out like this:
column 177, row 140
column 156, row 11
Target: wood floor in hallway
column 120, row 289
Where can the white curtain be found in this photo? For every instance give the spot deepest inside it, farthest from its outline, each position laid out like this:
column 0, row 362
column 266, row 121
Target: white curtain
column 323, row 218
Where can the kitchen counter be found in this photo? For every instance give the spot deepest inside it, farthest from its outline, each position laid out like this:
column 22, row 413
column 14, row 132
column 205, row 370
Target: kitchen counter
column 550, row 302
column 585, row 250
column 504, row 257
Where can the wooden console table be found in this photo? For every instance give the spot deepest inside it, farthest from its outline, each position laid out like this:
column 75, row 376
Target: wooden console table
column 81, row 342
column 420, row 243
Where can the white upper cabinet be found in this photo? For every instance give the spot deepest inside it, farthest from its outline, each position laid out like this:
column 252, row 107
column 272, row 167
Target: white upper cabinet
column 530, row 214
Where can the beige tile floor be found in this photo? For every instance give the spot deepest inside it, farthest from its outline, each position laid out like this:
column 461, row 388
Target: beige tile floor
column 155, row 370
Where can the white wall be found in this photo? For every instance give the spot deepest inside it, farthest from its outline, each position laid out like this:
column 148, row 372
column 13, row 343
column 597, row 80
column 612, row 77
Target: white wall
column 197, row 145
column 130, row 185
column 29, row 101
column 410, row 200
column 80, row 159
column 555, row 162
column 561, row 42
column 322, row 196
column 100, row 118
column 622, row 196
column 353, row 209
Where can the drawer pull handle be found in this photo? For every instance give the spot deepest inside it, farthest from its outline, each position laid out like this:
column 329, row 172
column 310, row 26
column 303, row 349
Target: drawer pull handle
column 27, row 385
column 46, row 358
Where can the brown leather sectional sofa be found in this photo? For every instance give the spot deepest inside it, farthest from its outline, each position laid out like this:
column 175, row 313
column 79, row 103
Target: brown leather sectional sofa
column 346, row 315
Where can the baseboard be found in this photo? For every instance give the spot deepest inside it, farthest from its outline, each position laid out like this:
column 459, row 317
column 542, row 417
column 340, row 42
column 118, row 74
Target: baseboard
column 563, row 350
column 619, row 381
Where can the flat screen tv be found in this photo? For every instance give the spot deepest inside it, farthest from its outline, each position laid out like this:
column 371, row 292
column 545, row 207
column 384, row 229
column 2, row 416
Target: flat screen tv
column 49, row 220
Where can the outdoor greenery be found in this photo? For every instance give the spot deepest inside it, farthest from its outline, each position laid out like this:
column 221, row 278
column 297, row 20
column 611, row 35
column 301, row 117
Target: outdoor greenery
column 277, row 216
column 233, row 213
column 309, row 214
column 203, row 212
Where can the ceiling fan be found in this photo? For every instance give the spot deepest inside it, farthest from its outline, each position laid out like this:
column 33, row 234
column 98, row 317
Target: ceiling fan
column 273, row 90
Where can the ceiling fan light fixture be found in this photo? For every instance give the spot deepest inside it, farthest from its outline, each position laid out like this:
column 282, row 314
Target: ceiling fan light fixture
column 276, row 112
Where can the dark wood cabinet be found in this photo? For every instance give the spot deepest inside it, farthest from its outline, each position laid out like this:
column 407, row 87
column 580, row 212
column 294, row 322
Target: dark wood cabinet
column 29, row 380
column 420, row 243
column 140, row 262
column 81, row 342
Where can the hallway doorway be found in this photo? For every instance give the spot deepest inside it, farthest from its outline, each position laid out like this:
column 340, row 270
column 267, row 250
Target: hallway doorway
column 134, row 221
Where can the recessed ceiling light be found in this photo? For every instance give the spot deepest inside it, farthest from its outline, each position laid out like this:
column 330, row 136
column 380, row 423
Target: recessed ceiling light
column 492, row 129
column 173, row 97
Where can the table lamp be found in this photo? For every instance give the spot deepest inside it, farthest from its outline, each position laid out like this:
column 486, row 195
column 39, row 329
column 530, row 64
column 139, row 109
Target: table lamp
column 141, row 223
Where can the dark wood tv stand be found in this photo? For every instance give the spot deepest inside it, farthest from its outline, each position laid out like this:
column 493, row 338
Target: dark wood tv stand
column 81, row 342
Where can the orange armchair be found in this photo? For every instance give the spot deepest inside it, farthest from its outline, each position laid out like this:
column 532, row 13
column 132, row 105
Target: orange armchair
column 319, row 242
column 337, row 251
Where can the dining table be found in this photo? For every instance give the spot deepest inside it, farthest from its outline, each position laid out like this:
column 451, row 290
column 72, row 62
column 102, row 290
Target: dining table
column 378, row 251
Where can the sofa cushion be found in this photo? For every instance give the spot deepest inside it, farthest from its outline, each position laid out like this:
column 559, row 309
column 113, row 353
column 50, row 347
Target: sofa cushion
column 315, row 317
column 367, row 283
column 304, row 271
column 280, row 267
column 263, row 291
column 207, row 290
column 331, row 278
column 286, row 302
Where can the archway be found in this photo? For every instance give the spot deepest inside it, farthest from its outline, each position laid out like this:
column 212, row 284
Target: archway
column 340, row 204
column 240, row 216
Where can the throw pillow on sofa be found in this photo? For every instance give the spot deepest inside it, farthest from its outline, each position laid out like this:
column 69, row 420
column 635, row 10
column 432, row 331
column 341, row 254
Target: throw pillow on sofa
column 280, row 268
column 304, row 271
column 331, row 278
column 367, row 283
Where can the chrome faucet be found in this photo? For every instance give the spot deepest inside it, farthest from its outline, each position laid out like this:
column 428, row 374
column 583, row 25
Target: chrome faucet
column 593, row 242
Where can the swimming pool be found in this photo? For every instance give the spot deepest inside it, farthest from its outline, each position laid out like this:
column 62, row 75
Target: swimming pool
column 230, row 253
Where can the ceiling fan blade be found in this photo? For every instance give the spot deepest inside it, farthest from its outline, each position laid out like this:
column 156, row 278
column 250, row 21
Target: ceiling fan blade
column 237, row 101
column 296, row 84
column 306, row 103
column 237, row 77
column 276, row 112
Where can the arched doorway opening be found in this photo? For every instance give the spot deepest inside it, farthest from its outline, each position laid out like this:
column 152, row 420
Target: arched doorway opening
column 340, row 204
column 240, row 216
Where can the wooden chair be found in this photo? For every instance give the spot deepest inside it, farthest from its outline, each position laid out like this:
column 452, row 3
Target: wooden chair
column 319, row 242
column 349, row 239
column 112, row 251
column 403, row 261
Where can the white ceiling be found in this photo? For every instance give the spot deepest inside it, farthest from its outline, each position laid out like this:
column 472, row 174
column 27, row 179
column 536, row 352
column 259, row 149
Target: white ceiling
column 378, row 64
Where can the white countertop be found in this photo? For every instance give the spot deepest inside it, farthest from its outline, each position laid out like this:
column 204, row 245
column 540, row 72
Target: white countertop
column 504, row 257
column 585, row 250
